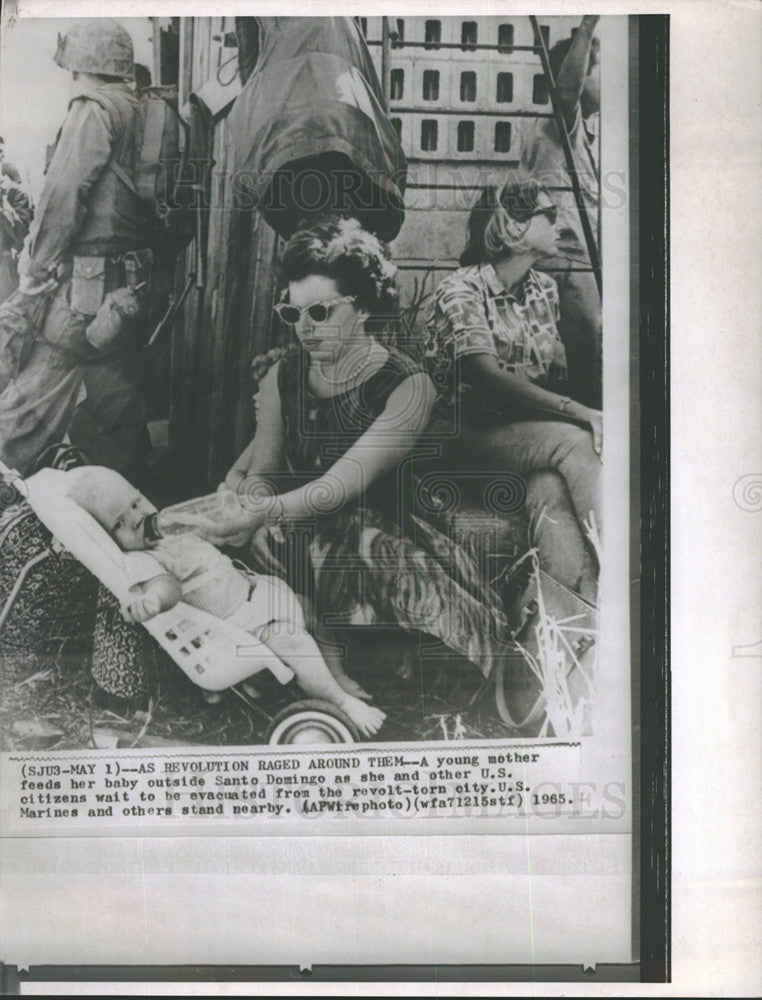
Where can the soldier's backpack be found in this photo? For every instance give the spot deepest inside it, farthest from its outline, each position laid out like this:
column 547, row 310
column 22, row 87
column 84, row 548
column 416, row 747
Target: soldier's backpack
column 173, row 164
column 173, row 160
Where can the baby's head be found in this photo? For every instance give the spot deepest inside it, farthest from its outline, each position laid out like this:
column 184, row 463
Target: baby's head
column 113, row 502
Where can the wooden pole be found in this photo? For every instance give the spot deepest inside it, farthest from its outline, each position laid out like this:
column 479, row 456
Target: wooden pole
column 386, row 62
column 592, row 247
column 156, row 41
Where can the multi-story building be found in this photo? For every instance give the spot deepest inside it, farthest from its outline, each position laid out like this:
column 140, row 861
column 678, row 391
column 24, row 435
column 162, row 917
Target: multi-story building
column 461, row 92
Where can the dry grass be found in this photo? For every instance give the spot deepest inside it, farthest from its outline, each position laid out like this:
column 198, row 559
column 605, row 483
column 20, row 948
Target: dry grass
column 52, row 703
column 567, row 714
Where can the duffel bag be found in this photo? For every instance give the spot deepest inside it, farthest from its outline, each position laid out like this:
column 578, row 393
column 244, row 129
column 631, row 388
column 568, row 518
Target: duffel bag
column 55, row 602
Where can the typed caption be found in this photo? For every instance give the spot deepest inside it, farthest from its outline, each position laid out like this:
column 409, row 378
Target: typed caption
column 73, row 794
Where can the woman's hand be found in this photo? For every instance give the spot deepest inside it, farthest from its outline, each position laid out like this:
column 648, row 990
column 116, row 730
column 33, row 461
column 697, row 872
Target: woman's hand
column 262, row 558
column 233, row 479
column 233, row 528
column 593, row 419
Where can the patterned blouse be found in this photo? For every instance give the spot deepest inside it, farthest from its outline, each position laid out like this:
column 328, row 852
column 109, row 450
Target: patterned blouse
column 472, row 313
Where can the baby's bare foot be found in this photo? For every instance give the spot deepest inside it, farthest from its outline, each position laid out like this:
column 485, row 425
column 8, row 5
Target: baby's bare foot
column 346, row 683
column 367, row 718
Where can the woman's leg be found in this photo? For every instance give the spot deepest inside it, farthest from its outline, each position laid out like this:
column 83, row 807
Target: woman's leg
column 530, row 446
column 562, row 550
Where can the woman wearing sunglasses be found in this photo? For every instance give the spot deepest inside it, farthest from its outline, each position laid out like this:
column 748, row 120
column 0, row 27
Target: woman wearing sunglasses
column 343, row 413
column 496, row 357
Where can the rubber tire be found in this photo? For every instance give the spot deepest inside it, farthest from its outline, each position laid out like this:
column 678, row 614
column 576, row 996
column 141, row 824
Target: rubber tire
column 323, row 713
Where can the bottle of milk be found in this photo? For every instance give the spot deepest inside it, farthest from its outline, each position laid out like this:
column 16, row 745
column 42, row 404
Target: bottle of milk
column 182, row 518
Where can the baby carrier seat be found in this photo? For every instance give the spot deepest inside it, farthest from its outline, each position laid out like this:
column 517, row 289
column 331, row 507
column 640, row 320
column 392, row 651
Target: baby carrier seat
column 213, row 653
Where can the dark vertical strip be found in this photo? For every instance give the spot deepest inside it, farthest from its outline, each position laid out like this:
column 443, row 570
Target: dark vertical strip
column 653, row 185
column 386, row 62
column 9, row 980
column 635, row 453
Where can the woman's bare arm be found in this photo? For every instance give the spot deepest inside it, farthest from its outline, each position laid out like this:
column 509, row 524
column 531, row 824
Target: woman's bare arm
column 507, row 390
column 380, row 449
column 264, row 453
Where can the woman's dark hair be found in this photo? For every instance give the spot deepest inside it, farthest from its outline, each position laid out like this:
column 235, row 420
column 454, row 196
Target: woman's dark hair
column 357, row 261
column 518, row 198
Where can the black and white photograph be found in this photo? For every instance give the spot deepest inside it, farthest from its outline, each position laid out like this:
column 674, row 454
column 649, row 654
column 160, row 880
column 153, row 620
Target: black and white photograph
column 319, row 430
column 379, row 498
column 307, row 312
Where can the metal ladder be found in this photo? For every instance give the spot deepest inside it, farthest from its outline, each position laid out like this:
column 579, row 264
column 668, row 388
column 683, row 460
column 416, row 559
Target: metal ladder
column 592, row 245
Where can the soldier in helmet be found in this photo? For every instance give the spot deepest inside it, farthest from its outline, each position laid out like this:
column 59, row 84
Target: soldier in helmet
column 91, row 236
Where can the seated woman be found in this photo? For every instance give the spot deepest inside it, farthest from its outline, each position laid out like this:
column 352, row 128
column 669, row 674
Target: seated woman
column 495, row 353
column 344, row 413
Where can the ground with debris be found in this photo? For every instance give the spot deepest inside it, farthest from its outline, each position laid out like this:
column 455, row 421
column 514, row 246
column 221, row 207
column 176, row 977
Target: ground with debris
column 51, row 702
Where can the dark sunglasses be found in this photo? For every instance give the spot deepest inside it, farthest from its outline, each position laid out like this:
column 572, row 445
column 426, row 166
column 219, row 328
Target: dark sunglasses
column 550, row 210
column 318, row 312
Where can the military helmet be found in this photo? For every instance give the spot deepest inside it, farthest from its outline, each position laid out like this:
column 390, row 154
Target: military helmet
column 97, row 45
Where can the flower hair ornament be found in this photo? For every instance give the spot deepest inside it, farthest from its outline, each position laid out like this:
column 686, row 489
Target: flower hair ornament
column 351, row 240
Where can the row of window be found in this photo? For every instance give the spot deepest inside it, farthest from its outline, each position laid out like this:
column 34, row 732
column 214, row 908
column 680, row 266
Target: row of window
column 465, row 135
column 503, row 94
column 469, row 34
column 503, row 89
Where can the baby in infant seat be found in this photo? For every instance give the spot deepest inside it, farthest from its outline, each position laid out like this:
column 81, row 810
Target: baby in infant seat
column 201, row 575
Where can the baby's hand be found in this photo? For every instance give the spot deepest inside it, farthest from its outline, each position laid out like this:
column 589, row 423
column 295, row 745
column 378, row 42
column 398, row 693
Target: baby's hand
column 151, row 597
column 367, row 718
column 141, row 608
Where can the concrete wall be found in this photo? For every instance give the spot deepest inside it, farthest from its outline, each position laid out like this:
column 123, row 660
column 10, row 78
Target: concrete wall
column 444, row 183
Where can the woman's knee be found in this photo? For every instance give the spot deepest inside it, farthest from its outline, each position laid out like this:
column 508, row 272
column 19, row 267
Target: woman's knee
column 546, row 489
column 547, row 496
column 575, row 447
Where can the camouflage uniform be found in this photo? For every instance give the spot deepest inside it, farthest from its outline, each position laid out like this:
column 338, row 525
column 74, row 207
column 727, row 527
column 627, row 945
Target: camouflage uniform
column 87, row 225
